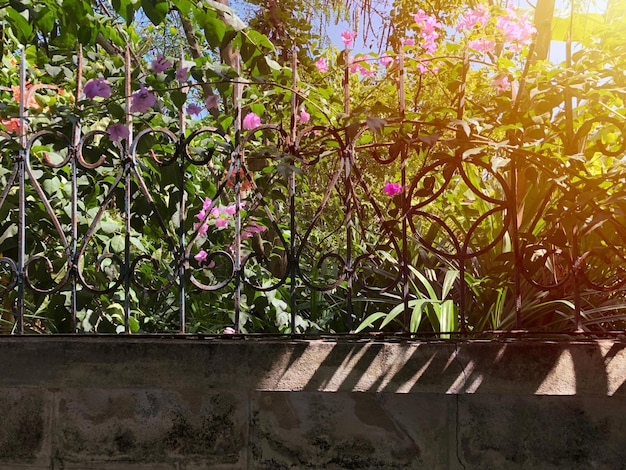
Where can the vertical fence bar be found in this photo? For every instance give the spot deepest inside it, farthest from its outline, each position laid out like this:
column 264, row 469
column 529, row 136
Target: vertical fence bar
column 76, row 129
column 576, row 267
column 517, row 258
column 21, row 222
column 404, row 256
column 347, row 162
column 127, row 159
column 237, row 156
column 292, row 189
column 182, row 262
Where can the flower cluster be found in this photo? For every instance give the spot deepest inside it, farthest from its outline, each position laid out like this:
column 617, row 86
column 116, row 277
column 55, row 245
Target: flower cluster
column 391, row 189
column 220, row 217
column 348, row 37
column 517, row 29
column 429, row 30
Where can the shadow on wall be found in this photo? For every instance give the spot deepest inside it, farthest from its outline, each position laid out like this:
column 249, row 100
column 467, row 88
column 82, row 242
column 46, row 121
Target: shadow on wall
column 145, row 403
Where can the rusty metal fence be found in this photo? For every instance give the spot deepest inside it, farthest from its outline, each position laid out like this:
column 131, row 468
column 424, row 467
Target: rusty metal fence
column 411, row 228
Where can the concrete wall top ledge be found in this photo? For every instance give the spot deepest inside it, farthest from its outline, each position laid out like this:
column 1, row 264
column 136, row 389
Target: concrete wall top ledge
column 519, row 367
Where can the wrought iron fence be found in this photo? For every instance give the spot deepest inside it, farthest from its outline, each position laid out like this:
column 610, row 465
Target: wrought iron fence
column 299, row 230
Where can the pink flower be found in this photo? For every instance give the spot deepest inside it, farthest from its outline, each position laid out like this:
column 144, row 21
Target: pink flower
column 204, row 228
column 479, row 16
column 11, row 125
column 201, row 256
column 230, row 210
column 356, row 67
column 215, row 212
column 304, row 116
column 348, row 37
column 160, row 64
column 142, row 101
column 181, row 74
column 206, row 204
column 517, row 29
column 429, row 27
column 194, row 109
column 118, row 132
column 97, row 87
column 221, row 222
column 391, row 189
column 211, row 102
column 229, row 331
column 251, row 121
column 409, row 42
column 386, row 60
column 501, row 84
column 321, row 65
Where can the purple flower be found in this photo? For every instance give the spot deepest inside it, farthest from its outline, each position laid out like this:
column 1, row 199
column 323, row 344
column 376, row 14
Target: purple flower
column 181, row 74
column 391, row 189
column 321, row 65
column 211, row 102
column 194, row 109
column 118, row 132
column 160, row 64
column 142, row 101
column 251, row 121
column 97, row 87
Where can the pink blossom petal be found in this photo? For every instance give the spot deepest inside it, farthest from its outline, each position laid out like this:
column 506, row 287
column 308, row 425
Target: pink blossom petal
column 348, row 37
column 251, row 121
column 391, row 189
column 321, row 65
column 304, row 116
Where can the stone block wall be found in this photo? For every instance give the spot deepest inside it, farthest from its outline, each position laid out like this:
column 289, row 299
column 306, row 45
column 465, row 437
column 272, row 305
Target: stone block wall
column 115, row 403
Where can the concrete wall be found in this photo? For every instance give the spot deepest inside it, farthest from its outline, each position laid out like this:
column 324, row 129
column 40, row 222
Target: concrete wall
column 175, row 403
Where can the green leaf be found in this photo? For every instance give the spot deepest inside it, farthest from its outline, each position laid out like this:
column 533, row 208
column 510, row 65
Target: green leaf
column 228, row 15
column 20, row 25
column 117, row 244
column 125, row 9
column 397, row 310
column 451, row 276
column 155, row 10
column 178, row 98
column 369, row 320
column 214, row 31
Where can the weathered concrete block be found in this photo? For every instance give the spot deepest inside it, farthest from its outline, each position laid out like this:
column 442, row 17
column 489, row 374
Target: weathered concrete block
column 124, row 426
column 24, row 427
column 348, row 430
column 516, row 432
